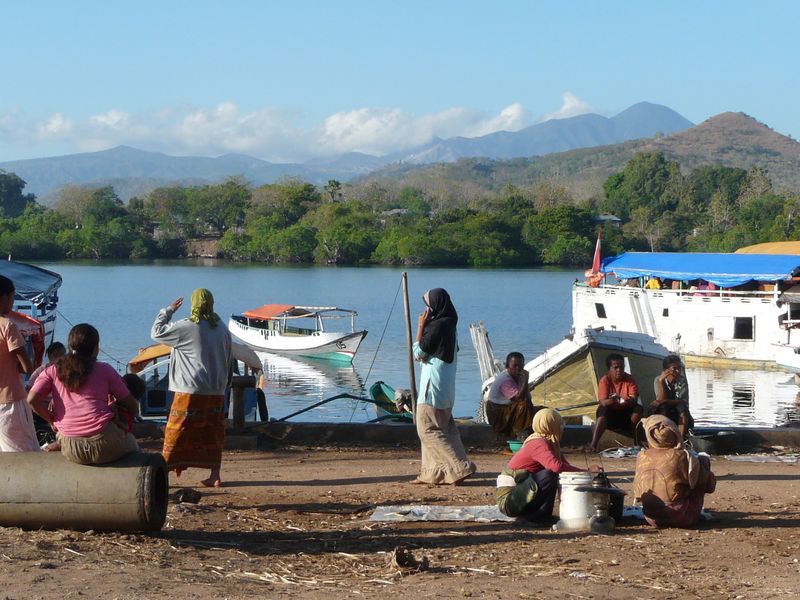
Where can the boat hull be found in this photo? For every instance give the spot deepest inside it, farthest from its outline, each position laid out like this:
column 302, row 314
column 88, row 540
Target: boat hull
column 565, row 377
column 319, row 344
column 721, row 326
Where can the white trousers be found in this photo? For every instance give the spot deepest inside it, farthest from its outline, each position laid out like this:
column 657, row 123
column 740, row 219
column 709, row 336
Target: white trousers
column 17, row 432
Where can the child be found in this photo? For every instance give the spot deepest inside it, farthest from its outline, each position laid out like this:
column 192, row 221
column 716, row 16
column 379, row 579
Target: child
column 17, row 433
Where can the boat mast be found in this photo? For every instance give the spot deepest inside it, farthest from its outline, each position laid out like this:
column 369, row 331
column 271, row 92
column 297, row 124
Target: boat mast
column 410, row 342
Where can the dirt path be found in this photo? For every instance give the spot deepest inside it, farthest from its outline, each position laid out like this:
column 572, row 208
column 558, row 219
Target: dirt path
column 294, row 524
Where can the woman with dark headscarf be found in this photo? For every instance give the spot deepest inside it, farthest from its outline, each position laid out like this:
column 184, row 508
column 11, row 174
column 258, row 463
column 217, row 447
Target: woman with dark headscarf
column 444, row 459
column 670, row 480
column 198, row 375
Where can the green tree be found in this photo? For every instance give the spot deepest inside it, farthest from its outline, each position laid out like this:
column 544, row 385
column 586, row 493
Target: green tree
column 219, row 206
column 346, row 232
column 12, row 200
column 334, row 190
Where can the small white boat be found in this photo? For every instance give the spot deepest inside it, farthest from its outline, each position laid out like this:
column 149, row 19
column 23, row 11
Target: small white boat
column 298, row 331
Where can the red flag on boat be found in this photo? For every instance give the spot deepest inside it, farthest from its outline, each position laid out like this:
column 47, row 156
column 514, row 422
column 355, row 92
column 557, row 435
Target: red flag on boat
column 596, row 259
column 593, row 275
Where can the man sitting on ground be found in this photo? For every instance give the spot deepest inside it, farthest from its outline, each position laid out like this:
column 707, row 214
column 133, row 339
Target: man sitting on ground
column 618, row 398
column 509, row 409
column 672, row 394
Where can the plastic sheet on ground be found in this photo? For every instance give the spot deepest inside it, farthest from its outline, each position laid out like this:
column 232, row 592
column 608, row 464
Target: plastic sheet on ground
column 624, row 452
column 765, row 458
column 425, row 512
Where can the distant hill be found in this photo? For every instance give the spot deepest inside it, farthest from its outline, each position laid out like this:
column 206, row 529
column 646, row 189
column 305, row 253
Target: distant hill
column 641, row 120
column 136, row 172
column 728, row 139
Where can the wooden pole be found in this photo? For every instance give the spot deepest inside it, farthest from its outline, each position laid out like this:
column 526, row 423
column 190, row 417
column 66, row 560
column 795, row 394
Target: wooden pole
column 410, row 342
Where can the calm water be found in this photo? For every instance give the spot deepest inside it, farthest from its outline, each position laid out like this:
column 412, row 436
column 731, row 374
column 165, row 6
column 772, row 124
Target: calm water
column 526, row 310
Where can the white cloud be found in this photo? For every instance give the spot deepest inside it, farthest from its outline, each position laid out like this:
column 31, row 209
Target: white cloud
column 270, row 133
column 381, row 131
column 55, row 127
column 571, row 106
column 512, row 118
column 115, row 119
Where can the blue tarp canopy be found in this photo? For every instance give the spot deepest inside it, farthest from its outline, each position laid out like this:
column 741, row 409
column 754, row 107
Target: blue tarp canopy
column 31, row 283
column 723, row 270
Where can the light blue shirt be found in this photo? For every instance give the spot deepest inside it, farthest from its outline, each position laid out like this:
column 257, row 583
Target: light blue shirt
column 437, row 386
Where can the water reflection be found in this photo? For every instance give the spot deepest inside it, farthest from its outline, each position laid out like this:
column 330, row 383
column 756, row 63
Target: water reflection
column 292, row 384
column 742, row 397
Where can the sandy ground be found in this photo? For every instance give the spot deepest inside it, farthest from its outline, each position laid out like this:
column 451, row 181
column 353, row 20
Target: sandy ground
column 294, row 524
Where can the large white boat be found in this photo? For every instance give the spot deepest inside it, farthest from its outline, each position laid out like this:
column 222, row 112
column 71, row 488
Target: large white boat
column 298, row 330
column 710, row 308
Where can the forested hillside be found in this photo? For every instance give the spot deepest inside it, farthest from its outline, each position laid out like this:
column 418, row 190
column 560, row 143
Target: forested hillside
column 661, row 207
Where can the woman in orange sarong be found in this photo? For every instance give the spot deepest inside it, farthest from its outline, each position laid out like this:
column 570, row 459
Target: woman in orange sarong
column 198, row 375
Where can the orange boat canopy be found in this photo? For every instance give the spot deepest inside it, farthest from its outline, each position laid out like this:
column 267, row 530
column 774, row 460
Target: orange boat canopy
column 146, row 355
column 152, row 353
column 269, row 311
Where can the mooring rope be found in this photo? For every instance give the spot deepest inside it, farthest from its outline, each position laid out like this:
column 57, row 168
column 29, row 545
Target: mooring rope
column 380, row 341
column 120, row 363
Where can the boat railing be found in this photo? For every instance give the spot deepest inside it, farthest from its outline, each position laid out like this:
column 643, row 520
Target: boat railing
column 692, row 294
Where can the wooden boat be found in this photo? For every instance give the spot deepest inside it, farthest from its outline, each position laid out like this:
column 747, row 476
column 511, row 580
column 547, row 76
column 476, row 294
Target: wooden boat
column 152, row 365
column 565, row 377
column 298, row 330
column 382, row 395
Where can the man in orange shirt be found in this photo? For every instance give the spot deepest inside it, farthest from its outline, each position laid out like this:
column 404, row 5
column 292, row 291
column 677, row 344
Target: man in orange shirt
column 618, row 397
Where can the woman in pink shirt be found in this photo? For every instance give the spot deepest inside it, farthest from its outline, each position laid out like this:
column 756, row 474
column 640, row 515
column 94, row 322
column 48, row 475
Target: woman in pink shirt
column 527, row 486
column 80, row 410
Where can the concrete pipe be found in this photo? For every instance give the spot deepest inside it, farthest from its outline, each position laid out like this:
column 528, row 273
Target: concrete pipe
column 43, row 490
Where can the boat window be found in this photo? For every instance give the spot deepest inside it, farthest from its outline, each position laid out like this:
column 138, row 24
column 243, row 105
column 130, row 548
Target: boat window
column 665, row 312
column 743, row 328
column 601, row 310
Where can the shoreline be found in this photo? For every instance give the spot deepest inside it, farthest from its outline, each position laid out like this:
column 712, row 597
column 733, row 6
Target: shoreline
column 278, row 434
column 294, row 523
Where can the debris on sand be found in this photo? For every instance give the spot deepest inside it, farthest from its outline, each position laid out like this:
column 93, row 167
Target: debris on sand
column 187, row 495
column 404, row 561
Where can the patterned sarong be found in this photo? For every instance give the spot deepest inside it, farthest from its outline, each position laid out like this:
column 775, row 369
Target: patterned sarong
column 195, row 432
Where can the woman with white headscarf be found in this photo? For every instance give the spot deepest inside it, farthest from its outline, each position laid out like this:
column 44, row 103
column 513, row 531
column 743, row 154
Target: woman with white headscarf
column 444, row 459
column 527, row 486
column 671, row 481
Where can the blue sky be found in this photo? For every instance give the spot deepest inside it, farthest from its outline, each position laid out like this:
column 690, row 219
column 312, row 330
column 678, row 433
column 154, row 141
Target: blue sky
column 290, row 81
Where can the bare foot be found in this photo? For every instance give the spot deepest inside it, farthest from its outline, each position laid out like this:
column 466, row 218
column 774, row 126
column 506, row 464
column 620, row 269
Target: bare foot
column 418, row 481
column 53, row 447
column 211, row 482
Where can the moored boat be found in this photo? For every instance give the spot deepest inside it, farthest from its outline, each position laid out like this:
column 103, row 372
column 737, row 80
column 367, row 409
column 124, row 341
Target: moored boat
column 298, row 330
column 35, row 303
column 383, row 395
column 565, row 377
column 717, row 308
column 151, row 364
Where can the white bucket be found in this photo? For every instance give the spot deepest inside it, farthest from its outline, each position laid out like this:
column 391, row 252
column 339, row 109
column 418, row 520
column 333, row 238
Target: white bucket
column 575, row 508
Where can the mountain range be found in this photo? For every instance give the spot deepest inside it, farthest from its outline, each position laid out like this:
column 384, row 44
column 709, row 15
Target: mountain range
column 135, row 172
column 728, row 139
